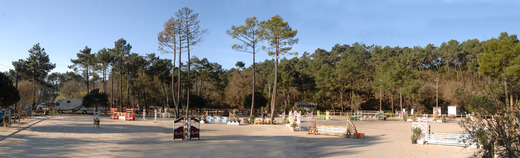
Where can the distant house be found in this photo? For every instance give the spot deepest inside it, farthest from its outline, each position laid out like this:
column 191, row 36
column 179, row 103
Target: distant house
column 306, row 105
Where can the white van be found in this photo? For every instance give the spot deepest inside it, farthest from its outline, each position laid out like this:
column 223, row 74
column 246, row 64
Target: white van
column 74, row 106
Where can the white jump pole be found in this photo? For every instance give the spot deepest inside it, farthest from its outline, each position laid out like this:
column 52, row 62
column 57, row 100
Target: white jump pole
column 144, row 114
column 155, row 116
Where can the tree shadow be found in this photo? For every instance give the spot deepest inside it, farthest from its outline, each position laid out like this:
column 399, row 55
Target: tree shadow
column 274, row 146
column 21, row 129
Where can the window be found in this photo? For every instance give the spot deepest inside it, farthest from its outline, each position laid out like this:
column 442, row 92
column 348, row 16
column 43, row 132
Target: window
column 68, row 101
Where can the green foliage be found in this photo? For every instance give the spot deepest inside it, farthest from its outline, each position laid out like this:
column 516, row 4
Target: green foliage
column 279, row 35
column 294, row 125
column 96, row 99
column 9, row 95
column 356, row 102
column 196, row 101
column 38, row 64
column 498, row 55
column 248, row 35
column 260, row 100
column 252, row 119
column 37, row 67
column 240, row 64
column 480, row 104
column 302, row 110
column 84, row 62
column 416, row 134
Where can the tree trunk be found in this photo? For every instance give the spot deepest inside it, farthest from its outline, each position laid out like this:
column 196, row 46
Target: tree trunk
column 139, row 97
column 401, row 100
column 505, row 90
column 254, row 79
column 273, row 101
column 189, row 68
column 178, row 80
column 351, row 96
column 341, row 100
column 112, row 87
column 145, row 99
column 173, row 81
column 104, row 80
column 333, row 106
column 88, row 83
column 127, row 90
column 392, row 100
column 34, row 93
column 380, row 100
column 286, row 99
column 121, row 84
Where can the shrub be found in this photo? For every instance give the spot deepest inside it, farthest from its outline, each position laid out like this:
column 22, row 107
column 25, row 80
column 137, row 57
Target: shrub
column 302, row 110
column 416, row 134
column 496, row 136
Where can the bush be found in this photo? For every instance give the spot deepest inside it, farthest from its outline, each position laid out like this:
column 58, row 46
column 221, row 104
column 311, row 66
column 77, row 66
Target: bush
column 252, row 119
column 302, row 110
column 389, row 115
column 416, row 134
column 496, row 136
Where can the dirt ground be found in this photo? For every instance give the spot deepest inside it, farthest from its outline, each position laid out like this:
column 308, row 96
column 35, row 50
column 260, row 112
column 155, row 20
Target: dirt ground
column 74, row 136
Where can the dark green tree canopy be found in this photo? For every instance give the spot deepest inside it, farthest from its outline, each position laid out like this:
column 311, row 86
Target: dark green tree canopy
column 196, row 101
column 279, row 35
column 38, row 64
column 480, row 104
column 498, row 55
column 96, row 99
column 260, row 100
column 8, row 93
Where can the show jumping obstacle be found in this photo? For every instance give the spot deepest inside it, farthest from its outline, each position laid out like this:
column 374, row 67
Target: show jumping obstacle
column 186, row 128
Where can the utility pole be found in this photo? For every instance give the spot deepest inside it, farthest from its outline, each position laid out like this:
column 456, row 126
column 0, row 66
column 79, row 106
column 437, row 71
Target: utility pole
column 437, row 91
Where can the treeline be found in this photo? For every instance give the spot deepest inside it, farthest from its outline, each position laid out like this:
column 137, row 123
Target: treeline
column 346, row 77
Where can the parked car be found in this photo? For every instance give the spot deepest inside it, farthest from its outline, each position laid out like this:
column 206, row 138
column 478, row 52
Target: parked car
column 42, row 108
column 4, row 112
column 1, row 116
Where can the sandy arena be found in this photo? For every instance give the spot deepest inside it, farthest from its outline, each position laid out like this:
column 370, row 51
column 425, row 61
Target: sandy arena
column 74, row 136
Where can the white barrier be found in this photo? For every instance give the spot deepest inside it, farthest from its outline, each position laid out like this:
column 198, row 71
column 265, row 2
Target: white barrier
column 332, row 130
column 424, row 119
column 216, row 120
column 450, row 139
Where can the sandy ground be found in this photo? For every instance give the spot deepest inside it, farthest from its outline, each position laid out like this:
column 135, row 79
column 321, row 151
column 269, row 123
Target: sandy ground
column 74, row 136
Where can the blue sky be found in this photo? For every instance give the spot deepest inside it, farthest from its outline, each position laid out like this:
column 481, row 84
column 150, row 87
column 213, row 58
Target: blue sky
column 63, row 27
